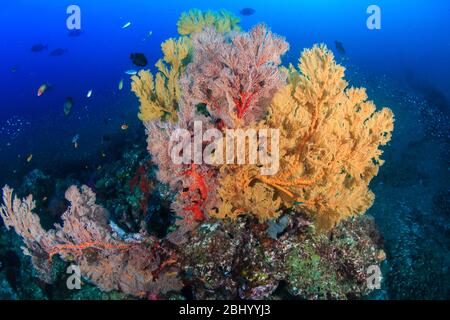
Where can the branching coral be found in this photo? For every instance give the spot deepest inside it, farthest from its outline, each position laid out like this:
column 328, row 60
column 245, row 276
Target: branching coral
column 131, row 264
column 329, row 145
column 328, row 138
column 329, row 134
column 18, row 214
column 159, row 97
column 235, row 75
column 196, row 21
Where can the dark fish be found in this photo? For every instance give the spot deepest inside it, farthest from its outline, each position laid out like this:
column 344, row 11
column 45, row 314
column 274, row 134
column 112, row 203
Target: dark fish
column 340, row 47
column 139, row 59
column 58, row 52
column 39, row 47
column 247, row 11
column 68, row 104
column 106, row 138
column 75, row 33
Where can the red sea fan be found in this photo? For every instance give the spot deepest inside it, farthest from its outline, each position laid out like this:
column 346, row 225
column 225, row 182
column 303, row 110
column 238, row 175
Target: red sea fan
column 235, row 75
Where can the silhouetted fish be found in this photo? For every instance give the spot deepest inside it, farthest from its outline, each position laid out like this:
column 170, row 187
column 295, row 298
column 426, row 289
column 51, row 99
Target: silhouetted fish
column 75, row 33
column 247, row 11
column 68, row 104
column 139, row 59
column 339, row 47
column 58, row 52
column 39, row 47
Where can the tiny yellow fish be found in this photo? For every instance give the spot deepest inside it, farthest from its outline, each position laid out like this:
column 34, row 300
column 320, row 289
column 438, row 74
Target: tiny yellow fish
column 124, row 127
column 30, row 157
column 121, row 84
column 42, row 89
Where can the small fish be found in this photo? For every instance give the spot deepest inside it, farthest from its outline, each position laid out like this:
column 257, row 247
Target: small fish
column 39, row 47
column 30, row 157
column 75, row 140
column 89, row 94
column 13, row 69
column 106, row 138
column 126, row 25
column 247, row 11
column 124, row 127
column 68, row 105
column 121, row 84
column 339, row 47
column 139, row 59
column 58, row 52
column 42, row 89
column 131, row 72
column 149, row 34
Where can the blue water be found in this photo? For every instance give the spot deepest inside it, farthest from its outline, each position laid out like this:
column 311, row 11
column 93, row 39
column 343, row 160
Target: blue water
column 404, row 65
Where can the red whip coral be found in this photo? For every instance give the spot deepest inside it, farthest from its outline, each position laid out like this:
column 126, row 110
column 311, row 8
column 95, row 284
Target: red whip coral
column 235, row 74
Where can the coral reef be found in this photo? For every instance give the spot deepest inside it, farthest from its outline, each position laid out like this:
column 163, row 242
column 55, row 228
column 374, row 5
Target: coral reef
column 237, row 260
column 233, row 232
column 330, row 134
column 107, row 257
column 329, row 146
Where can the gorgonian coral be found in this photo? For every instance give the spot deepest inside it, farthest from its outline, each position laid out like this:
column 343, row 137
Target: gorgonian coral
column 196, row 21
column 324, row 137
column 235, row 75
column 329, row 146
column 108, row 257
column 329, row 135
column 159, row 95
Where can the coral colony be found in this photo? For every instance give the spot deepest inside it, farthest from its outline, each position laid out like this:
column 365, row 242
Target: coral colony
column 240, row 230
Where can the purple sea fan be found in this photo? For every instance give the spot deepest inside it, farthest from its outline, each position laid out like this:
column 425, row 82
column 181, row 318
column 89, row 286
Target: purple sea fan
column 235, row 74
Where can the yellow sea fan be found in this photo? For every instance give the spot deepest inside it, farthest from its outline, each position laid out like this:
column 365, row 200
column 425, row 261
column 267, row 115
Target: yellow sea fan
column 329, row 148
column 159, row 95
column 330, row 140
column 143, row 86
column 196, row 21
column 240, row 194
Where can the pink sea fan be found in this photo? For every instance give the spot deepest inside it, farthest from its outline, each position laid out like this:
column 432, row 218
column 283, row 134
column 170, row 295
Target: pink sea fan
column 235, row 75
column 134, row 264
column 195, row 185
